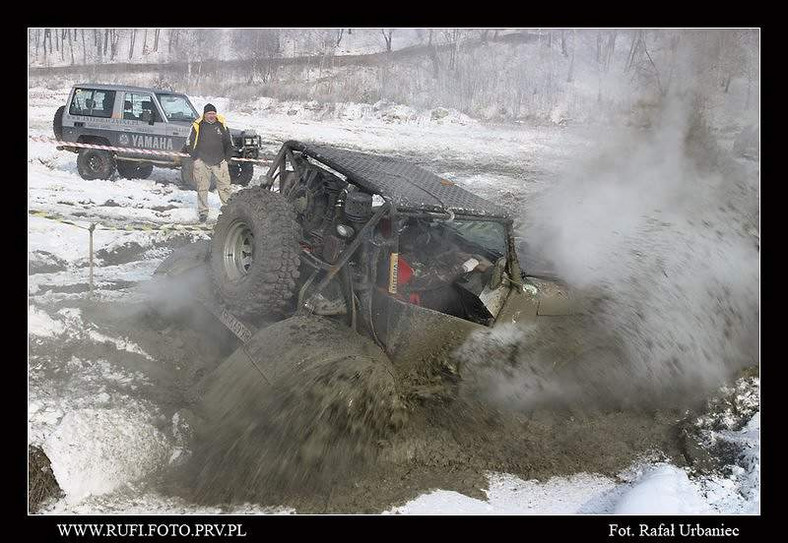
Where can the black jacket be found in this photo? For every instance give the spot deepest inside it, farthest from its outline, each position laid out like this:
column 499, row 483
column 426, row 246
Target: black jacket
column 196, row 151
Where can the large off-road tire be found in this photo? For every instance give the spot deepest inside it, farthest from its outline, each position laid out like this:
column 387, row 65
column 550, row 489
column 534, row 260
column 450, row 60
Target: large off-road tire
column 57, row 123
column 255, row 253
column 134, row 170
column 305, row 401
column 95, row 164
column 240, row 172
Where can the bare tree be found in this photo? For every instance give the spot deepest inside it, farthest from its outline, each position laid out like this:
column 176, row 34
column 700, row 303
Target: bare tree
column 48, row 37
column 114, row 42
column 156, row 40
column 97, row 42
column 260, row 46
column 339, row 36
column 599, row 48
column 63, row 33
column 84, row 47
column 132, row 39
column 563, row 44
column 387, row 37
column 145, row 43
column 436, row 66
column 452, row 39
column 197, row 46
column 634, row 49
column 71, row 46
column 570, row 76
column 674, row 46
column 611, row 46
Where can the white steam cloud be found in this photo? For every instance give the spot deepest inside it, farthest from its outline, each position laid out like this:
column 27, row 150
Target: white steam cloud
column 660, row 229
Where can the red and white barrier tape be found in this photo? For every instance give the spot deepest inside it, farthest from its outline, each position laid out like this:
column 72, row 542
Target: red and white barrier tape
column 136, row 150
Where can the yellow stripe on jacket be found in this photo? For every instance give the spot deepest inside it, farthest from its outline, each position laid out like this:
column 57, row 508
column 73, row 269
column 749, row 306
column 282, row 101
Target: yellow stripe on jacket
column 196, row 126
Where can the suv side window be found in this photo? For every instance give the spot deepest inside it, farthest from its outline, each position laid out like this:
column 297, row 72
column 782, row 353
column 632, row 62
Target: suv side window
column 139, row 107
column 93, row 103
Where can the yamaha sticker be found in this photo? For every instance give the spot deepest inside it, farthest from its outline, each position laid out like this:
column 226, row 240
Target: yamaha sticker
column 150, row 142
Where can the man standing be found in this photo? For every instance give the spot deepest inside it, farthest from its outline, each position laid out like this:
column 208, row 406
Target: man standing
column 211, row 147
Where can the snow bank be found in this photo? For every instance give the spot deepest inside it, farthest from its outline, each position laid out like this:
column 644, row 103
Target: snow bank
column 663, row 490
column 41, row 324
column 73, row 325
column 738, row 491
column 510, row 495
column 381, row 111
column 95, row 451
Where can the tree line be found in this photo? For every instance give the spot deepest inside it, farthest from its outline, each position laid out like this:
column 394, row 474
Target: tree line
column 469, row 69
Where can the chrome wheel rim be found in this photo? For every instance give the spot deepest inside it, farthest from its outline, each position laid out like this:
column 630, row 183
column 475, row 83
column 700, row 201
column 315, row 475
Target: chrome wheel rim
column 238, row 251
column 95, row 163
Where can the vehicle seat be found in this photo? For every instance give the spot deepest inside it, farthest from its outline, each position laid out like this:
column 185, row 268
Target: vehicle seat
column 128, row 112
column 147, row 111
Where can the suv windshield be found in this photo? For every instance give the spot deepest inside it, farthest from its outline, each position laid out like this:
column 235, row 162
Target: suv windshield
column 177, row 107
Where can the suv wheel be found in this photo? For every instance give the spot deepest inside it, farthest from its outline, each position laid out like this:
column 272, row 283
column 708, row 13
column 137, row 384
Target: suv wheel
column 95, row 164
column 57, row 123
column 241, row 172
column 255, row 253
column 187, row 174
column 134, row 170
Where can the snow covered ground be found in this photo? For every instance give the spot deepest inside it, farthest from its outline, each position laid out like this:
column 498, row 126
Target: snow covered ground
column 102, row 435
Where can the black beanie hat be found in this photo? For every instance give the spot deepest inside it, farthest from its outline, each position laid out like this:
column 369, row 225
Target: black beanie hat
column 209, row 107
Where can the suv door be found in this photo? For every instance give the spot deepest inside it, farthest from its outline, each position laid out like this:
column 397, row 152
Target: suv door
column 144, row 126
column 179, row 113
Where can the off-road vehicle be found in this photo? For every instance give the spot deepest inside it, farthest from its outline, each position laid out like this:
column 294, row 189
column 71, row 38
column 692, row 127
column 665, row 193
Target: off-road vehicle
column 346, row 272
column 152, row 119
